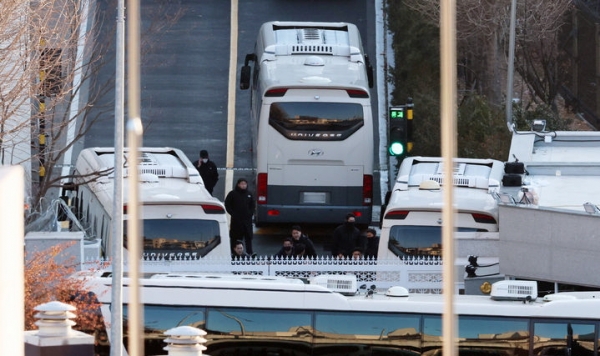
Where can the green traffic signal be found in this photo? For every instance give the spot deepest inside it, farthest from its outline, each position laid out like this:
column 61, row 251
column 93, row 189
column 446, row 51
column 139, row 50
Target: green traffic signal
column 397, row 131
column 396, row 149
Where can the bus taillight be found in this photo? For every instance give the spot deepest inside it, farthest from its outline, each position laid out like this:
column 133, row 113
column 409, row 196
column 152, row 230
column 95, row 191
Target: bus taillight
column 261, row 188
column 483, row 218
column 397, row 214
column 356, row 93
column 276, row 92
column 367, row 189
column 213, row 209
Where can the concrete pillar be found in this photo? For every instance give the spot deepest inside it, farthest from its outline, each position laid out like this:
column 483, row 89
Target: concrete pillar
column 55, row 337
column 185, row 341
column 12, row 281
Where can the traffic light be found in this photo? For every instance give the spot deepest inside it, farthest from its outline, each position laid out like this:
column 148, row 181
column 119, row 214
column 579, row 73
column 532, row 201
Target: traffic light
column 397, row 131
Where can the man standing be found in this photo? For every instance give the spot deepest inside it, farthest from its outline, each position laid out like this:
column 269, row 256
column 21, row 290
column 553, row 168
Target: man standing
column 372, row 244
column 239, row 203
column 346, row 238
column 207, row 170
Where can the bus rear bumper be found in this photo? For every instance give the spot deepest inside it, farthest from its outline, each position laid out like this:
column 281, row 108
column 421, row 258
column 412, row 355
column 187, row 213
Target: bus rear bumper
column 275, row 214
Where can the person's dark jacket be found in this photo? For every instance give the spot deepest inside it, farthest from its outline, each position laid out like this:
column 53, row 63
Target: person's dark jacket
column 346, row 238
column 372, row 247
column 208, row 172
column 309, row 247
column 239, row 203
column 244, row 255
column 282, row 253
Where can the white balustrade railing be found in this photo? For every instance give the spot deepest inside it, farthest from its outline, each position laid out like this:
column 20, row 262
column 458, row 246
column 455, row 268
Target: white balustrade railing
column 418, row 275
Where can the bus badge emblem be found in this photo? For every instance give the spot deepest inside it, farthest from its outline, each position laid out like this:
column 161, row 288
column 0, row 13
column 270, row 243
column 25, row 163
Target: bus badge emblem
column 315, row 152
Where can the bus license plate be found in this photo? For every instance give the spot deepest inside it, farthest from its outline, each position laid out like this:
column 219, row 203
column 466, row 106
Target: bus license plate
column 314, row 198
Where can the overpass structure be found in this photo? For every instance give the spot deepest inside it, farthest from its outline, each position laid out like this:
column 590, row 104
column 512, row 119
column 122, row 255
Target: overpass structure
column 549, row 221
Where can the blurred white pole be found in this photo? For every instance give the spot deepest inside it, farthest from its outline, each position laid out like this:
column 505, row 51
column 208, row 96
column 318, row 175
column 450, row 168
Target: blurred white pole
column 116, row 310
column 511, row 67
column 233, row 50
column 448, row 124
column 135, row 316
column 12, row 279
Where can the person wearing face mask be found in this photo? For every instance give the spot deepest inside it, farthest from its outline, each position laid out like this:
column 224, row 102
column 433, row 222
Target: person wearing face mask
column 207, row 170
column 287, row 251
column 239, row 203
column 346, row 238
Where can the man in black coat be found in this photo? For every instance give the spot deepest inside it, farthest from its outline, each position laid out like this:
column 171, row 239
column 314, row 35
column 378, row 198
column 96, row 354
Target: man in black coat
column 346, row 238
column 239, row 203
column 287, row 251
column 238, row 251
column 299, row 238
column 208, row 171
column 372, row 244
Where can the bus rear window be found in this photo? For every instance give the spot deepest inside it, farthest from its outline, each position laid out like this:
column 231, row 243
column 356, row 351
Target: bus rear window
column 316, row 121
column 178, row 238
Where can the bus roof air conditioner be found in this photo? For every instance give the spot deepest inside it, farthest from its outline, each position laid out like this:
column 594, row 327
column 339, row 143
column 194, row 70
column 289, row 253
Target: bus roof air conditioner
column 514, row 290
column 343, row 284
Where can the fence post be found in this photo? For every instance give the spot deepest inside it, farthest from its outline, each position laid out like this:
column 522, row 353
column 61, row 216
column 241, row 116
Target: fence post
column 55, row 336
column 185, row 341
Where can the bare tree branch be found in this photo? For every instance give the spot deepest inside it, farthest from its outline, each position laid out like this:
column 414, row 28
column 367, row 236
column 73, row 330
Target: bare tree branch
column 41, row 55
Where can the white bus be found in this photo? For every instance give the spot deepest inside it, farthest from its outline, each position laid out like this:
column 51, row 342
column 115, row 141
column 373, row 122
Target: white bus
column 412, row 219
column 250, row 315
column 312, row 123
column 181, row 220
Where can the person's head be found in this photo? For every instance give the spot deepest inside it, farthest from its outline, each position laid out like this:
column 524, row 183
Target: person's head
column 350, row 219
column 296, row 232
column 288, row 244
column 370, row 233
column 242, row 184
column 357, row 253
column 204, row 156
column 238, row 248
